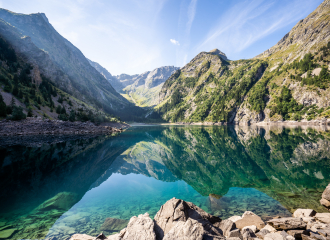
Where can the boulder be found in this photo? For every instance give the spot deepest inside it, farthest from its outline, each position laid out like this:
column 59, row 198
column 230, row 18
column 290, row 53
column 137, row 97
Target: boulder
column 269, row 228
column 252, row 227
column 274, row 236
column 176, row 210
column 188, row 230
column 248, row 234
column 140, row 228
column 325, row 201
column 81, row 237
column 301, row 213
column 235, row 218
column 236, row 233
column 297, row 234
column 262, row 233
column 248, row 219
column 323, row 217
column 287, row 223
column 226, row 226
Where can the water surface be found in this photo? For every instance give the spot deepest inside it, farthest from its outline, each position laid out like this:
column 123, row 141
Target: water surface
column 54, row 190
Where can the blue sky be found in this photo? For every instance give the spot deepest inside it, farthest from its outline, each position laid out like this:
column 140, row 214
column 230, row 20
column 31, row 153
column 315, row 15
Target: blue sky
column 134, row 36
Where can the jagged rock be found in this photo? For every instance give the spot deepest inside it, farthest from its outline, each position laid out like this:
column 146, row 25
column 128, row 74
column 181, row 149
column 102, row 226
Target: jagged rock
column 301, row 213
column 323, row 217
column 286, row 236
column 316, row 226
column 81, row 237
column 235, row 218
column 262, row 233
column 297, row 233
column 176, row 210
column 227, row 226
column 101, row 237
column 248, row 234
column 287, row 223
column 312, row 236
column 140, row 228
column 274, row 236
column 252, row 227
column 236, row 233
column 113, row 224
column 269, row 228
column 248, row 219
column 189, row 230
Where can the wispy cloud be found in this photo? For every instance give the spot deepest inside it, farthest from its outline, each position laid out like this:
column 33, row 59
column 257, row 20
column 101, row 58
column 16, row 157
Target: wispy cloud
column 175, row 42
column 191, row 15
column 249, row 21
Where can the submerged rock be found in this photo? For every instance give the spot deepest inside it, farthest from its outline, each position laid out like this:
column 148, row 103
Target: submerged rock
column 113, row 224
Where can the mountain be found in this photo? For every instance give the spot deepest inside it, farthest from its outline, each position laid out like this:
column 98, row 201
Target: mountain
column 289, row 81
column 75, row 75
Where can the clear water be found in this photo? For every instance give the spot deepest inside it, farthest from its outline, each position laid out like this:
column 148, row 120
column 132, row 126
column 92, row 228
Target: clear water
column 73, row 186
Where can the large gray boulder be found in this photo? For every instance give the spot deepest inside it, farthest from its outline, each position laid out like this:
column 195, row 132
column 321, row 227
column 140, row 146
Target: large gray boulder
column 176, row 210
column 287, row 223
column 189, row 230
column 140, row 228
column 303, row 213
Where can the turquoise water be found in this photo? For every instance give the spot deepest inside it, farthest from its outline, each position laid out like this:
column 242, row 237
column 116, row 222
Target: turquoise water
column 72, row 186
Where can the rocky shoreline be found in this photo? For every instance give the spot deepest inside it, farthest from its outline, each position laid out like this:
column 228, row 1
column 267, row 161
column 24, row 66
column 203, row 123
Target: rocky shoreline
column 178, row 219
column 324, row 122
column 38, row 126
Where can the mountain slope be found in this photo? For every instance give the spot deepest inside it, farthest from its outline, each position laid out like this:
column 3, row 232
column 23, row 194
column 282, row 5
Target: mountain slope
column 290, row 81
column 86, row 83
column 143, row 89
column 31, row 85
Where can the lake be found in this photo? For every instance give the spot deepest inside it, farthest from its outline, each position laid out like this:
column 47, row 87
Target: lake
column 55, row 187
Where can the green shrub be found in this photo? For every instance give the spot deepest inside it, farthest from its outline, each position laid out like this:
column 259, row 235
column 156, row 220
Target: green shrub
column 17, row 113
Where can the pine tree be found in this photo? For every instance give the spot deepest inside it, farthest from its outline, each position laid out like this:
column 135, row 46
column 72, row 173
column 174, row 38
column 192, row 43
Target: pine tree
column 3, row 107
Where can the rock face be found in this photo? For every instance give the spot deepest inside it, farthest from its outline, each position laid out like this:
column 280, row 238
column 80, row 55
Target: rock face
column 143, row 89
column 325, row 201
column 139, row 228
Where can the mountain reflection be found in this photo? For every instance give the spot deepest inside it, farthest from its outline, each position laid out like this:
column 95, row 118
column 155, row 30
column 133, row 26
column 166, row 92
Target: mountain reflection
column 231, row 170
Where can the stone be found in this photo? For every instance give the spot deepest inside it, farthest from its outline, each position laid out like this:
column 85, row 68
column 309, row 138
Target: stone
column 140, row 228
column 7, row 233
column 115, row 237
column 297, row 233
column 236, row 233
column 113, row 224
column 176, row 210
column 269, row 228
column 325, row 203
column 189, row 230
column 323, row 217
column 252, row 227
column 301, row 213
column 248, row 219
column 262, row 233
column 316, row 226
column 226, row 226
column 274, row 236
column 248, row 234
column 101, row 236
column 308, row 219
column 81, row 237
column 287, row 223
column 234, row 218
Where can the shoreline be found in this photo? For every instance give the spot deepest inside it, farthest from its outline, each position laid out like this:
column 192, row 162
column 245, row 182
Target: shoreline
column 178, row 219
column 38, row 126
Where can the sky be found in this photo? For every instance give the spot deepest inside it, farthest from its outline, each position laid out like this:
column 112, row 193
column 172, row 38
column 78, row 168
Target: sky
column 134, row 36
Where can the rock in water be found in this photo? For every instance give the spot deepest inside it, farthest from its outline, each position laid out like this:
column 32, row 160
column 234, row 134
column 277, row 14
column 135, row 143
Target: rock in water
column 176, row 210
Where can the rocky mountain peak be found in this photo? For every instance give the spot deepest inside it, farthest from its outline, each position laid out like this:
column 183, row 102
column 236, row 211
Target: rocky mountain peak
column 218, row 52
